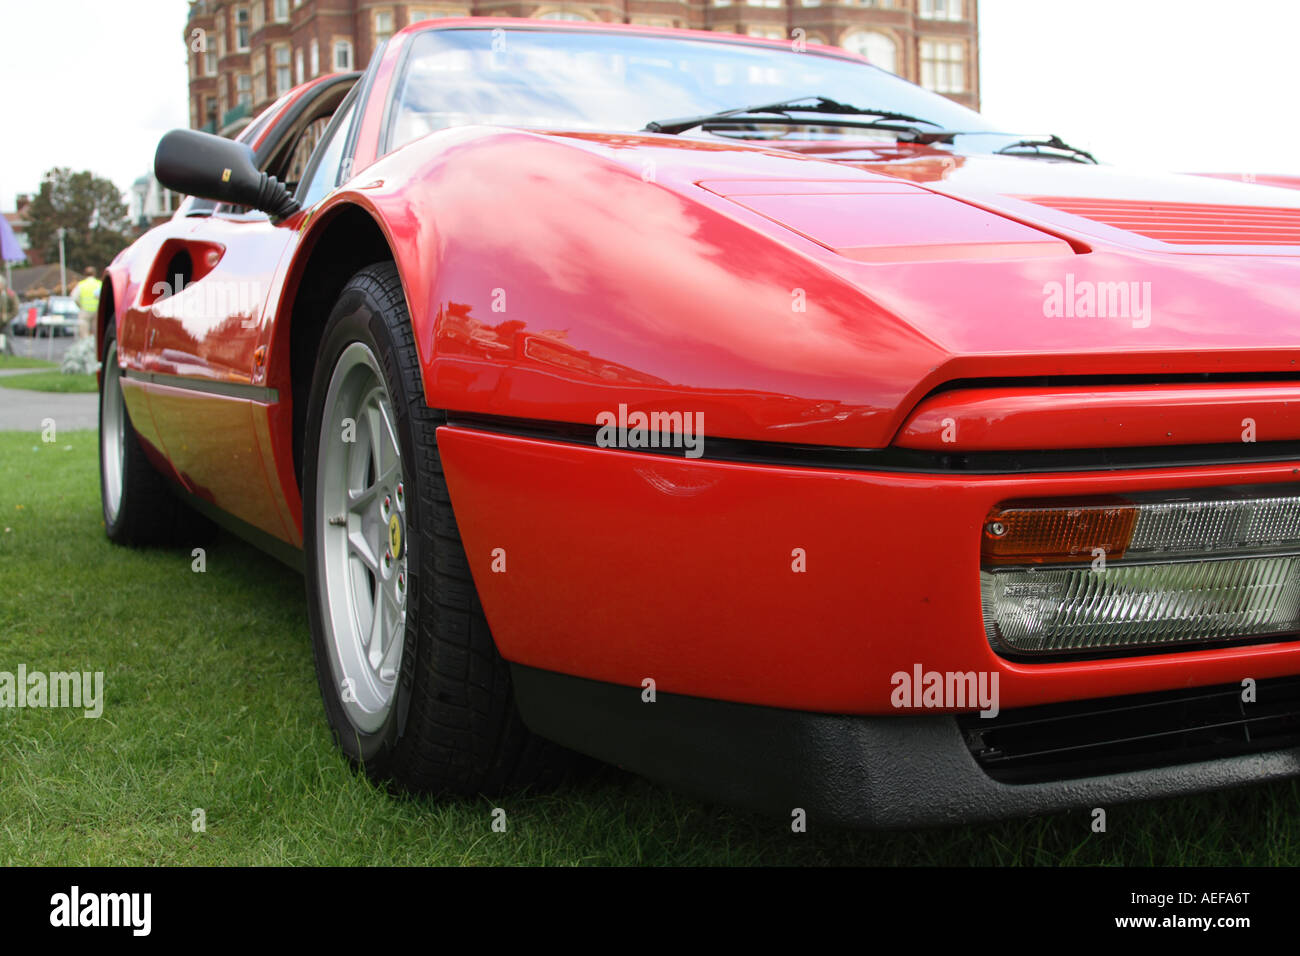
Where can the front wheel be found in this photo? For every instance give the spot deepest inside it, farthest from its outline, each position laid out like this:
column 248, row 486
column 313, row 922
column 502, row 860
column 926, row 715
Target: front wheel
column 414, row 688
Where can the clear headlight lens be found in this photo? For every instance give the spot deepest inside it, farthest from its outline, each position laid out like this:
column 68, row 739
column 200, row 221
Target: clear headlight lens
column 1078, row 577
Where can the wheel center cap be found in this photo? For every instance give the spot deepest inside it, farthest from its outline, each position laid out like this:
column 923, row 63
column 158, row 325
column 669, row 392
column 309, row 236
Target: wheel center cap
column 395, row 536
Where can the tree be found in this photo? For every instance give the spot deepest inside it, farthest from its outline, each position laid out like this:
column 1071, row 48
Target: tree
column 91, row 211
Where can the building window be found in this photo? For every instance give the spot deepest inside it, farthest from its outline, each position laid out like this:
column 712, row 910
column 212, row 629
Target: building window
column 283, row 75
column 722, row 3
column 281, row 11
column 879, row 49
column 259, row 78
column 342, row 55
column 297, row 66
column 243, row 89
column 562, row 15
column 383, row 25
column 767, row 33
column 811, row 3
column 209, row 64
column 943, row 66
column 315, row 58
column 765, row 3
column 416, row 15
column 241, row 29
column 940, row 9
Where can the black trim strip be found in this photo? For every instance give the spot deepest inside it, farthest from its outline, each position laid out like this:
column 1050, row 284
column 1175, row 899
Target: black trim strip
column 906, row 459
column 256, row 393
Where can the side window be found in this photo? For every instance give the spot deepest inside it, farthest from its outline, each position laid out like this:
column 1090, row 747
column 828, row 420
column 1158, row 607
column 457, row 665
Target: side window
column 323, row 168
column 303, row 151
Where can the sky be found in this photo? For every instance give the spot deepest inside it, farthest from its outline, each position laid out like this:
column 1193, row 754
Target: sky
column 93, row 84
column 1135, row 81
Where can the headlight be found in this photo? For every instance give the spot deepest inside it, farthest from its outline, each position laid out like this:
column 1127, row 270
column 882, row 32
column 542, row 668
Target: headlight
column 1146, row 572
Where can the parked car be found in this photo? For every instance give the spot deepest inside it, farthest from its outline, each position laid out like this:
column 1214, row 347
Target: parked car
column 752, row 419
column 59, row 317
column 55, row 315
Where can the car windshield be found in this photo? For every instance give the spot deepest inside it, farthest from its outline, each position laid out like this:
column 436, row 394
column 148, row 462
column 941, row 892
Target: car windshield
column 621, row 81
column 63, row 306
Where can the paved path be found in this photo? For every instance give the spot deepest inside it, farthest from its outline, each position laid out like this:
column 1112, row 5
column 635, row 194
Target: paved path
column 21, row 410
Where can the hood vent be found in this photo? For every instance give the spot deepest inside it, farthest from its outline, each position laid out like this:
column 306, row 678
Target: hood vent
column 1191, row 224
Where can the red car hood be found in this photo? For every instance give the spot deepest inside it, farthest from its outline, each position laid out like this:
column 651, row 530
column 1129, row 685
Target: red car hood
column 1024, row 251
column 859, row 281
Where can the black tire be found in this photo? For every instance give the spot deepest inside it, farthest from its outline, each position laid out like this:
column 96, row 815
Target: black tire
column 149, row 513
column 452, row 727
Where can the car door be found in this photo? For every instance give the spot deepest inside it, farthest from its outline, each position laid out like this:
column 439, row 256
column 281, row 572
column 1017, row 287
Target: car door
column 209, row 307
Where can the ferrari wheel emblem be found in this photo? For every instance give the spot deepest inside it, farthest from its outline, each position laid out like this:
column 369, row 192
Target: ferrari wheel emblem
column 395, row 536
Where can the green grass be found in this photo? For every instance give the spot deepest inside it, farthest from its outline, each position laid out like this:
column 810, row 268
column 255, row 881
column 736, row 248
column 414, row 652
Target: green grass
column 21, row 361
column 51, row 382
column 211, row 702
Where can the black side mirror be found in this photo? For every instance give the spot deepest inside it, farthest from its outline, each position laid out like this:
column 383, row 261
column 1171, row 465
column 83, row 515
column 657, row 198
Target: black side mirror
column 213, row 167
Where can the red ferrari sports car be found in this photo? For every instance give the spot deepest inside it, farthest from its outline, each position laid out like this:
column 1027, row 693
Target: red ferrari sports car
column 736, row 412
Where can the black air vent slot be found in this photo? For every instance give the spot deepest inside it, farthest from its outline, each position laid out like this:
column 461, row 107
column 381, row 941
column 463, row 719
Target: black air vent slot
column 1120, row 734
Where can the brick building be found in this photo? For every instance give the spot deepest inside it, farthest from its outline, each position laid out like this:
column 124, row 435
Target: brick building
column 244, row 53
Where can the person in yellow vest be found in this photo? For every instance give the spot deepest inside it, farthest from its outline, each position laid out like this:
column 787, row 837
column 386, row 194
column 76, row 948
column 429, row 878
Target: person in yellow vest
column 86, row 294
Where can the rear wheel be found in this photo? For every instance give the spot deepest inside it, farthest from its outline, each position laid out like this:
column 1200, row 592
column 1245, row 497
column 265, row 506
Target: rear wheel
column 414, row 688
column 138, row 505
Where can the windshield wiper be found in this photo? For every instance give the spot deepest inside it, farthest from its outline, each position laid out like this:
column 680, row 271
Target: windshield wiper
column 780, row 112
column 1036, row 147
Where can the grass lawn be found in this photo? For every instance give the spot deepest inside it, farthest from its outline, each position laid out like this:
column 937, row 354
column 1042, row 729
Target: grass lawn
column 21, row 361
column 211, row 702
column 53, row 381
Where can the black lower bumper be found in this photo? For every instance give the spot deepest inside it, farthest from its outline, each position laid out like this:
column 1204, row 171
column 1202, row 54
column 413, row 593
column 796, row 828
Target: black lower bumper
column 874, row 772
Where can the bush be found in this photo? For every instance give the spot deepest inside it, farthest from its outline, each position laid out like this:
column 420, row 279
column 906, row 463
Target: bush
column 80, row 358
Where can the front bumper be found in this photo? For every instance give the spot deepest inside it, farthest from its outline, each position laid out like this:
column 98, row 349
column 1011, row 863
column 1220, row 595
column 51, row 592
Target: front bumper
column 782, row 585
column 871, row 772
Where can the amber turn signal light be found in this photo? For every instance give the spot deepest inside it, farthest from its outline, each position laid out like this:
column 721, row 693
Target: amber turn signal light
column 1057, row 534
